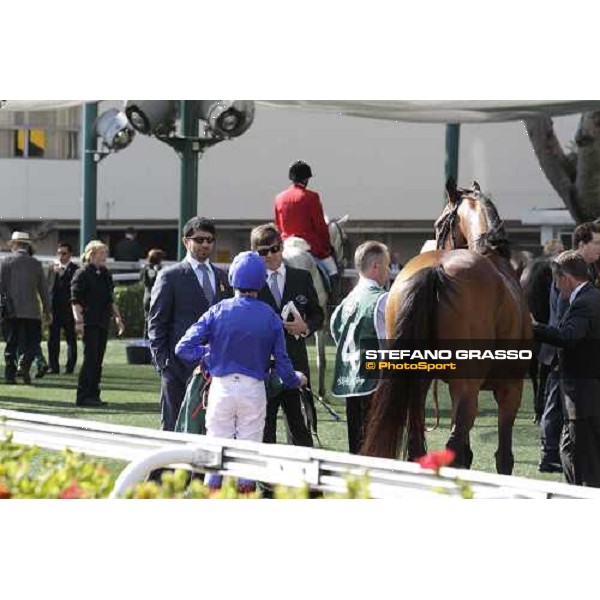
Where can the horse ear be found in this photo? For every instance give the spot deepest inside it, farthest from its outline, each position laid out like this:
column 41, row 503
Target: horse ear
column 476, row 185
column 451, row 189
column 343, row 219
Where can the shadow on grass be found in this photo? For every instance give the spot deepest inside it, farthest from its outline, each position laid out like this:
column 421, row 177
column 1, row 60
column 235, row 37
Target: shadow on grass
column 49, row 406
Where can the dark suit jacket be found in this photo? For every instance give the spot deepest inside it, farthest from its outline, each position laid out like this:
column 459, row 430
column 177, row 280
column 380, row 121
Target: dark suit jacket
column 148, row 277
column 128, row 250
column 578, row 336
column 60, row 293
column 178, row 301
column 558, row 308
column 298, row 288
column 22, row 278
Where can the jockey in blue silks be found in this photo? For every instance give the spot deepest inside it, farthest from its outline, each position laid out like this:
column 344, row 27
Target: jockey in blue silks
column 236, row 339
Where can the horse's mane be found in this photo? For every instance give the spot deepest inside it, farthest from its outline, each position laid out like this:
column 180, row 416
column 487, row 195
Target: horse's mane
column 495, row 239
column 446, row 226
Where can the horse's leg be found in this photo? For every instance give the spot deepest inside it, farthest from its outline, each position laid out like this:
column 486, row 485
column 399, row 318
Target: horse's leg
column 321, row 358
column 464, row 395
column 534, row 374
column 508, row 397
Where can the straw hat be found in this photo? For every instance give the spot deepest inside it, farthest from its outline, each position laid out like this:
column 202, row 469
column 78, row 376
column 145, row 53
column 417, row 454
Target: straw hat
column 19, row 236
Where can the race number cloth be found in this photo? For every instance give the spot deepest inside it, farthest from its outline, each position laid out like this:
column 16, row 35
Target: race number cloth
column 192, row 415
column 352, row 328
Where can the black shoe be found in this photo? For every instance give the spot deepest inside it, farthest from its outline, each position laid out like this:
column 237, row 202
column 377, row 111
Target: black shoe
column 68, row 371
column 550, row 467
column 25, row 376
column 53, row 372
column 91, row 403
column 41, row 371
column 10, row 381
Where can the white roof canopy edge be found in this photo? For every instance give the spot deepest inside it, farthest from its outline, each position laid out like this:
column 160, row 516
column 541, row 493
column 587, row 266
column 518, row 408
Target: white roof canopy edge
column 421, row 111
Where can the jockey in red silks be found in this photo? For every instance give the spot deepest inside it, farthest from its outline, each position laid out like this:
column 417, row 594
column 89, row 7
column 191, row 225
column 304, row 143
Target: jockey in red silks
column 299, row 213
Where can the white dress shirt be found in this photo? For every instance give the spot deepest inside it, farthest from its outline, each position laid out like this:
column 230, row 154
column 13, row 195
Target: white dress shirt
column 200, row 275
column 575, row 292
column 280, row 279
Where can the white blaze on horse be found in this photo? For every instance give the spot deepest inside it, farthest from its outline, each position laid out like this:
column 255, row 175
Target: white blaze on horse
column 296, row 253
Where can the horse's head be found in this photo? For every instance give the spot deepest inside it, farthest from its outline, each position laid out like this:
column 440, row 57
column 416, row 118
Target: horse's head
column 470, row 220
column 338, row 239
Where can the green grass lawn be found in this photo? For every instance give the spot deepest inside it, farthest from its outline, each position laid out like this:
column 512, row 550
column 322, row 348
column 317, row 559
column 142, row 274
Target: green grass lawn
column 133, row 394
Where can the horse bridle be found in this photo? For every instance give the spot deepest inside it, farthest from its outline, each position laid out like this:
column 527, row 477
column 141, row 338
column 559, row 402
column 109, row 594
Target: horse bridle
column 447, row 228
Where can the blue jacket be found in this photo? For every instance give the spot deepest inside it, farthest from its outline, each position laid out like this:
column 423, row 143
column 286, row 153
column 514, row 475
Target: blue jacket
column 239, row 335
column 558, row 308
column 177, row 301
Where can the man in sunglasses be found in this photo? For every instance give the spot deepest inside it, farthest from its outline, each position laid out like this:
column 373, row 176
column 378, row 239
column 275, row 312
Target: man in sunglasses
column 59, row 284
column 285, row 284
column 181, row 295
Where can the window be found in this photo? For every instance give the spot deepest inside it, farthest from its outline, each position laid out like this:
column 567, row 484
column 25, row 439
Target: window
column 40, row 134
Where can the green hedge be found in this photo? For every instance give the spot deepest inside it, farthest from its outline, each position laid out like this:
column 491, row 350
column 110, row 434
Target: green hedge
column 130, row 300
column 26, row 472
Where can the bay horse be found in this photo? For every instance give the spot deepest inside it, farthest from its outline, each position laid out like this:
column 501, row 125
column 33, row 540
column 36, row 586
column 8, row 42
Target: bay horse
column 536, row 281
column 453, row 294
column 296, row 253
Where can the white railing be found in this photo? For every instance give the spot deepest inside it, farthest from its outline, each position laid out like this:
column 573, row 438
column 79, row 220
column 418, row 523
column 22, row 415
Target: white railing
column 294, row 466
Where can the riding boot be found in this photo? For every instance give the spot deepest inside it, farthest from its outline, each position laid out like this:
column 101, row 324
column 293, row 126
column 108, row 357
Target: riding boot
column 334, row 293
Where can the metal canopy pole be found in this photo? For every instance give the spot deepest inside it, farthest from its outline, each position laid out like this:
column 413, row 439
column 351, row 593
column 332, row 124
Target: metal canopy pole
column 188, row 185
column 452, row 151
column 89, row 175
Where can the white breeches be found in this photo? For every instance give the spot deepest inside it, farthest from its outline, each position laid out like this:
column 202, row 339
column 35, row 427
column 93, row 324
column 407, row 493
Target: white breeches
column 237, row 407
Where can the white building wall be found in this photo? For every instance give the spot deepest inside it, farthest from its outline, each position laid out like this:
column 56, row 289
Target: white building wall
column 368, row 168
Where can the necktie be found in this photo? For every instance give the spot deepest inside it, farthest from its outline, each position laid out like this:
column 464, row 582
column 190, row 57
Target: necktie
column 274, row 286
column 206, row 287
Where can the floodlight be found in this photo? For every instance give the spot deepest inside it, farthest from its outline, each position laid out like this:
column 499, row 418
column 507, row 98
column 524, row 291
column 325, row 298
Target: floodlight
column 227, row 118
column 114, row 129
column 152, row 117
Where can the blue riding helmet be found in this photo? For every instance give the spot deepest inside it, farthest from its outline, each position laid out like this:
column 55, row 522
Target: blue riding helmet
column 247, row 271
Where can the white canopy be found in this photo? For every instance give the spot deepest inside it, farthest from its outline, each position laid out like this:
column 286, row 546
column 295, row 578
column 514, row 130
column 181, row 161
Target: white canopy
column 442, row 111
column 423, row 111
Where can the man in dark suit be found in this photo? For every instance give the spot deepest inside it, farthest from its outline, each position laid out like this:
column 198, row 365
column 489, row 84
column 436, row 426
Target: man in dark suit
column 578, row 337
column 22, row 286
column 285, row 284
column 59, row 284
column 128, row 248
column 181, row 295
column 586, row 240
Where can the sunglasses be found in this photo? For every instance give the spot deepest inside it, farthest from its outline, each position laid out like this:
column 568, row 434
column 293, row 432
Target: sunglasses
column 62, row 253
column 270, row 250
column 200, row 239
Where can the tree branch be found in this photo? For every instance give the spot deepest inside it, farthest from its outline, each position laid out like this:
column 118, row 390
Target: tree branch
column 553, row 162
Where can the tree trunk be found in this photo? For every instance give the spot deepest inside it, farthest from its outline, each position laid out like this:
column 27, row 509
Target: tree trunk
column 580, row 192
column 588, row 165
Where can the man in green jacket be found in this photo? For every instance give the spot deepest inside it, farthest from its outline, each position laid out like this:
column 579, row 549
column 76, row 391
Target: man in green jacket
column 356, row 322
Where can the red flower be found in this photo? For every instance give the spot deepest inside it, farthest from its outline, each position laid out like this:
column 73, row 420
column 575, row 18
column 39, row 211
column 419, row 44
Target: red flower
column 437, row 459
column 73, row 492
column 4, row 493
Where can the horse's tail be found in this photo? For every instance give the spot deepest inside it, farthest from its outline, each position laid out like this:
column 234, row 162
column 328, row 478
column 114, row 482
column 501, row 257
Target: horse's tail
column 399, row 402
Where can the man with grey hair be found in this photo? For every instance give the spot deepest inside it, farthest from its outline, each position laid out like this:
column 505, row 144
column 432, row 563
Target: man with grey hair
column 359, row 319
column 578, row 338
column 22, row 286
column 586, row 240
